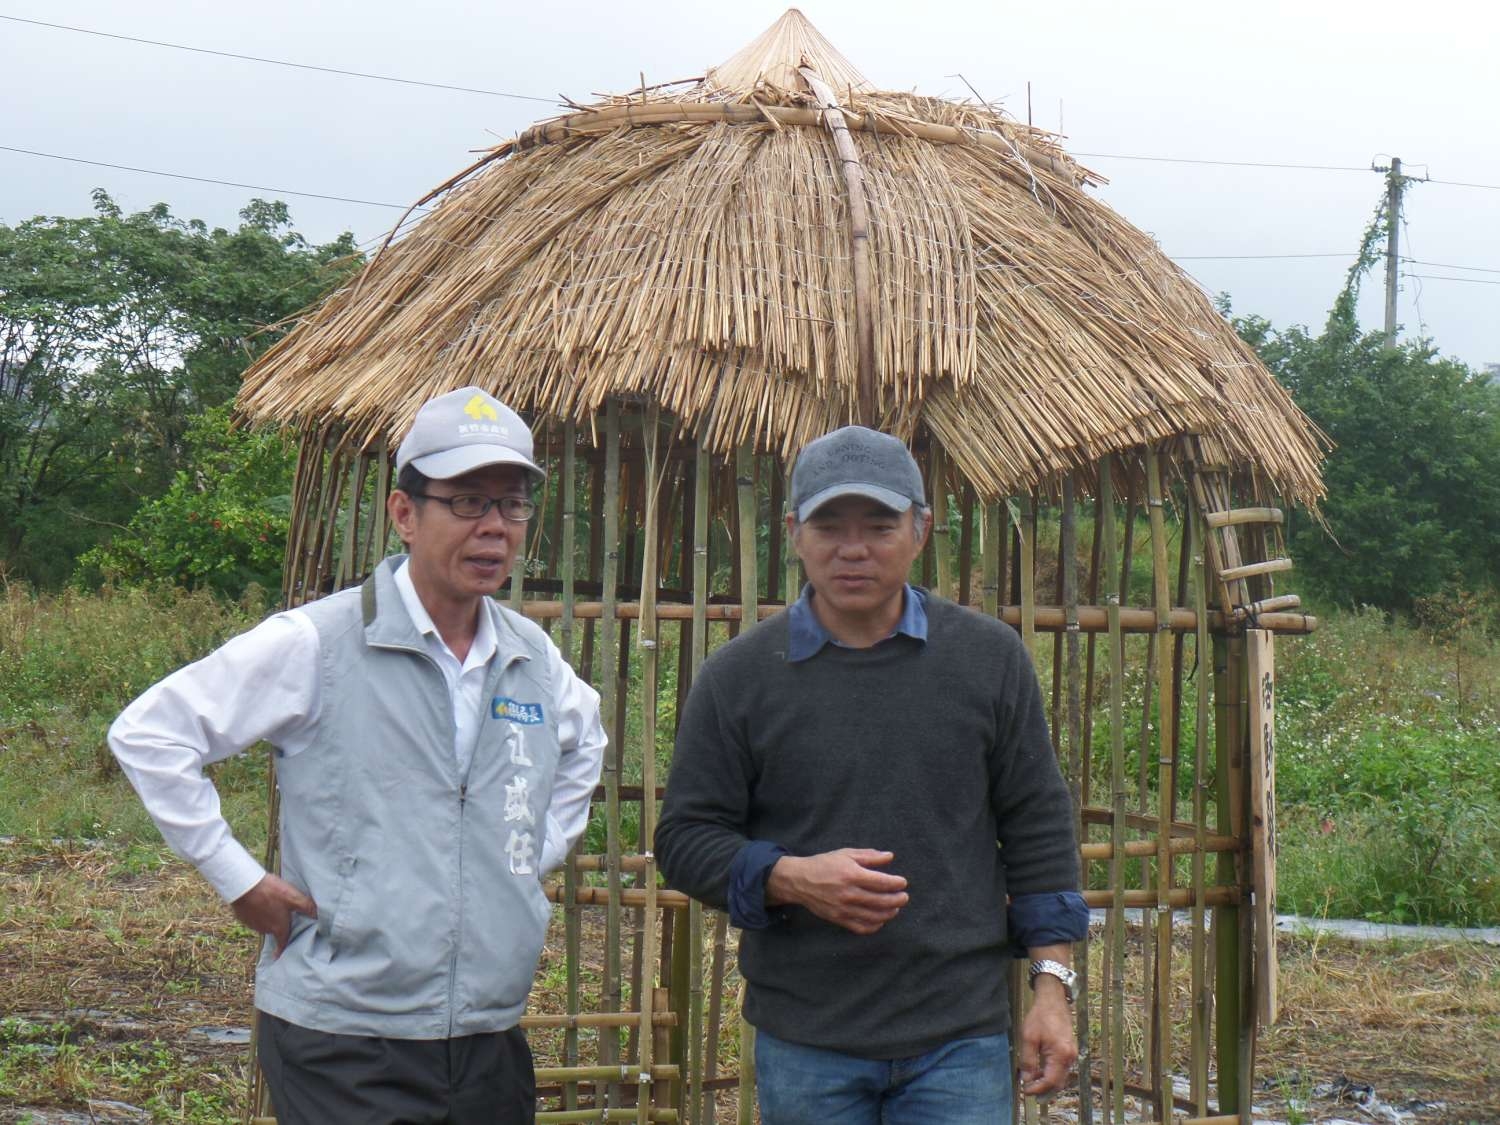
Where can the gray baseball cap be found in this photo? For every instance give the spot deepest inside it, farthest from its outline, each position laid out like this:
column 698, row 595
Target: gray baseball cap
column 855, row 461
column 465, row 430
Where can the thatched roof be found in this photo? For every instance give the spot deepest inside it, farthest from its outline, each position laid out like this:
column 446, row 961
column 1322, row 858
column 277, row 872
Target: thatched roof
column 692, row 244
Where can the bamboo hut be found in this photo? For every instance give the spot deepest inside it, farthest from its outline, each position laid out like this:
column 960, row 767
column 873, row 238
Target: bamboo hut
column 680, row 286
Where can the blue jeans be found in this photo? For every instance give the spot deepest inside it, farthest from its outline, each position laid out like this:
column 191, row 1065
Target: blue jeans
column 965, row 1082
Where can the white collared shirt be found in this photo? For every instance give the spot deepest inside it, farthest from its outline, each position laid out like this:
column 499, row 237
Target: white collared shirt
column 264, row 684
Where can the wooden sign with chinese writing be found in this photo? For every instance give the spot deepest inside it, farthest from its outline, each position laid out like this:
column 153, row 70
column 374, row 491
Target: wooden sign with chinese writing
column 1260, row 646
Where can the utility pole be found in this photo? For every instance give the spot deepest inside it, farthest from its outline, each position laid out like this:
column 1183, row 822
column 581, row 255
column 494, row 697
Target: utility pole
column 1393, row 186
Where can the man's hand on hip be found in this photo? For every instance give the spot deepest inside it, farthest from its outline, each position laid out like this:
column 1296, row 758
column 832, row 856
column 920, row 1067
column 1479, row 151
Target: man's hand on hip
column 267, row 908
column 1048, row 1046
column 841, row 887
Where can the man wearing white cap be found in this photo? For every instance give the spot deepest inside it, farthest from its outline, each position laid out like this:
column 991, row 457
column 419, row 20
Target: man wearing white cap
column 435, row 757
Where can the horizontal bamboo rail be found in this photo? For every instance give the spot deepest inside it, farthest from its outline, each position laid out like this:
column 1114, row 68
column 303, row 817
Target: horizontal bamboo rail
column 1181, row 897
column 1243, row 515
column 1049, row 618
column 674, row 900
column 1267, row 605
column 624, row 1073
column 1178, row 845
column 558, row 1117
column 634, row 896
column 596, row 1019
column 1251, row 570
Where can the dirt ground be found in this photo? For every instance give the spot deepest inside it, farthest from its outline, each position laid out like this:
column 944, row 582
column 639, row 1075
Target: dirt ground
column 125, row 996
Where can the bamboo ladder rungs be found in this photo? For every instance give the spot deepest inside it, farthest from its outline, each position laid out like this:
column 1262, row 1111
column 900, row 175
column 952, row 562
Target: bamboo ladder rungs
column 1237, row 516
column 1250, row 570
column 1268, row 605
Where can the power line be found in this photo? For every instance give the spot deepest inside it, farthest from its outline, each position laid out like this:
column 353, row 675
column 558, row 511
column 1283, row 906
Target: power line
column 1251, row 257
column 203, row 179
column 280, row 62
column 1440, row 277
column 1460, row 183
column 1451, row 266
column 1228, row 163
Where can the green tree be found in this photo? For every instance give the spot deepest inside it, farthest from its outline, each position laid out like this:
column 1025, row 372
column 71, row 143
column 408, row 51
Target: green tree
column 221, row 525
column 1414, row 480
column 116, row 332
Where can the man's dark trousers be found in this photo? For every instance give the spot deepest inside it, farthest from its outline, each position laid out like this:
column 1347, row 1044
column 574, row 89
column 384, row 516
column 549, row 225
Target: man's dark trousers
column 317, row 1078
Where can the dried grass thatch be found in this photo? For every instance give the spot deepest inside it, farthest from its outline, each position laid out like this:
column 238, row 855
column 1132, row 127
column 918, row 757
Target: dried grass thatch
column 692, row 245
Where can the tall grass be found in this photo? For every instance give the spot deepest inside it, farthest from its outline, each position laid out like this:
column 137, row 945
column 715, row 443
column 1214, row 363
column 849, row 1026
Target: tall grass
column 1388, row 744
column 68, row 663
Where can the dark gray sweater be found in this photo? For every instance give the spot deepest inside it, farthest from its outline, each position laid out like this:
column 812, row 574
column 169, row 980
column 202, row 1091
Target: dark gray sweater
column 932, row 751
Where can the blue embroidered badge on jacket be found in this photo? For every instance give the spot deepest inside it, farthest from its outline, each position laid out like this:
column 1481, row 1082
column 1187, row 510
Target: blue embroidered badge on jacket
column 527, row 714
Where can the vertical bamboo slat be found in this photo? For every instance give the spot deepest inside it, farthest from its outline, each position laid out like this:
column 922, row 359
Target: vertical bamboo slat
column 1166, row 781
column 1115, row 928
column 991, row 571
column 1226, row 920
column 701, row 485
column 650, row 664
column 942, row 545
column 609, row 1047
column 1076, row 769
column 1202, row 993
column 572, row 914
column 749, row 604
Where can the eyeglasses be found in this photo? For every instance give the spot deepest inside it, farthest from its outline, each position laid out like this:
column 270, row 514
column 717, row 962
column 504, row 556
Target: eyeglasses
column 472, row 506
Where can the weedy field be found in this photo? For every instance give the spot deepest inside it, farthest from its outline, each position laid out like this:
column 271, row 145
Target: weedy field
column 122, row 979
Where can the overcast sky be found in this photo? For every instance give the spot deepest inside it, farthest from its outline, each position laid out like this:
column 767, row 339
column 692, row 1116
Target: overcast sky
column 1277, row 82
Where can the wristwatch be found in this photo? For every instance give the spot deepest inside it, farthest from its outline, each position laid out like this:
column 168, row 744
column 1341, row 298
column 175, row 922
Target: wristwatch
column 1054, row 969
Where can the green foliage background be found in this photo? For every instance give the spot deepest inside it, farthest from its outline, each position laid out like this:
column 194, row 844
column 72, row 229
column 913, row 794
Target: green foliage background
column 118, row 335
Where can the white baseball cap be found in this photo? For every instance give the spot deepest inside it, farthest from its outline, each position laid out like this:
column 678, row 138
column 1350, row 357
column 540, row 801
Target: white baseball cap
column 465, row 430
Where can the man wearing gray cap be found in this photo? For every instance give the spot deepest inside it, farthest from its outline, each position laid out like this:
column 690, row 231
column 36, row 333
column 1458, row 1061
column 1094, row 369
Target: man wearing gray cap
column 866, row 783
column 435, row 757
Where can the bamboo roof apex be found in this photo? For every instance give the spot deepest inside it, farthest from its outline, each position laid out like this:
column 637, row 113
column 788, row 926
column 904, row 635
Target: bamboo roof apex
column 774, row 57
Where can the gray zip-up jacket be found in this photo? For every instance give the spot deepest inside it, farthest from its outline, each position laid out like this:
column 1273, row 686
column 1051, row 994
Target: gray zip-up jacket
column 431, row 914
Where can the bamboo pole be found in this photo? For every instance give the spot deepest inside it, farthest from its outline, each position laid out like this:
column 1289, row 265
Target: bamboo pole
column 1020, row 995
column 1114, row 1017
column 793, row 562
column 1086, row 790
column 942, row 546
column 1226, row 922
column 749, row 587
column 860, row 251
column 989, row 558
column 1076, row 768
column 572, row 912
column 1027, row 566
column 715, row 1009
column 1045, row 618
column 650, row 668
column 346, row 566
column 746, row 1106
column 379, row 526
column 1201, row 991
column 701, row 486
column 609, row 1045
column 1166, row 785
column 745, row 501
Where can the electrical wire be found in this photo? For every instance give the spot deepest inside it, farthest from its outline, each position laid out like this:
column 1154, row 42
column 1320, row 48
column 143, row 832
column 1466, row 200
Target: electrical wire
column 1251, row 257
column 1440, row 277
column 1224, row 163
column 281, row 62
column 204, row 179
